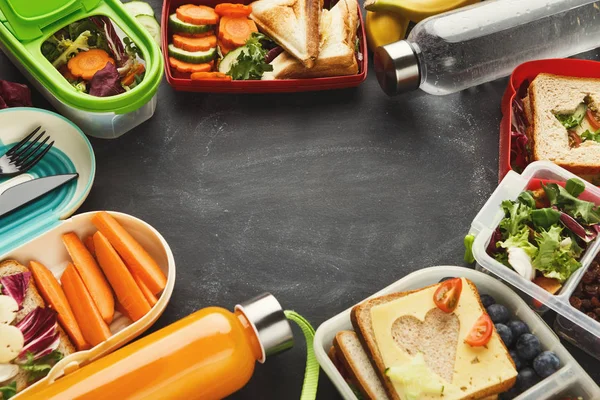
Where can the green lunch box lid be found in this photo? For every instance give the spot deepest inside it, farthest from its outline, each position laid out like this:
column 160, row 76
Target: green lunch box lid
column 26, row 24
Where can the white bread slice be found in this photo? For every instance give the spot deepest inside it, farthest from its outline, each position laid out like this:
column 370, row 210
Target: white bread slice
column 31, row 301
column 336, row 47
column 351, row 354
column 361, row 320
column 293, row 24
column 550, row 95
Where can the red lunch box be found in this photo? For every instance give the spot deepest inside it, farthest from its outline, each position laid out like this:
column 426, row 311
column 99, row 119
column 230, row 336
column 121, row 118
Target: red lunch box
column 256, row 86
column 525, row 74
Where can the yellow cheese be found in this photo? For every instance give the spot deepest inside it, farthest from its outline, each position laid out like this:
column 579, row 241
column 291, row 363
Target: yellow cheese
column 475, row 368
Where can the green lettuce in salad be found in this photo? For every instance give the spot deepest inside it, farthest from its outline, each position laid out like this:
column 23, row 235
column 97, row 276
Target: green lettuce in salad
column 545, row 232
column 96, row 32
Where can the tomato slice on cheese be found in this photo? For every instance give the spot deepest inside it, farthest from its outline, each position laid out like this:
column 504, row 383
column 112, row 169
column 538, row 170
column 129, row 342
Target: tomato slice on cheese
column 481, row 332
column 447, row 294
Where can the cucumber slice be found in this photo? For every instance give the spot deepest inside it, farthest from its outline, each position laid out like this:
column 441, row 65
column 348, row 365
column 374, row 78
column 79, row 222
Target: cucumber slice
column 194, row 57
column 135, row 8
column 179, row 26
column 150, row 24
column 230, row 59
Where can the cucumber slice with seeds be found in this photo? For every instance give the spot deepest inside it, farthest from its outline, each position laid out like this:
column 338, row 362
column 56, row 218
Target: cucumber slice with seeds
column 135, row 8
column 179, row 26
column 151, row 25
column 194, row 57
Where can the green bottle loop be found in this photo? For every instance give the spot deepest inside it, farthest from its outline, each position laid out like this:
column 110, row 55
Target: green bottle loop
column 311, row 372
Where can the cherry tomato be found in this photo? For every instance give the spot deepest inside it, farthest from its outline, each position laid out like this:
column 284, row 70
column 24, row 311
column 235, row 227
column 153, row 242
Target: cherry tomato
column 481, row 332
column 592, row 120
column 447, row 294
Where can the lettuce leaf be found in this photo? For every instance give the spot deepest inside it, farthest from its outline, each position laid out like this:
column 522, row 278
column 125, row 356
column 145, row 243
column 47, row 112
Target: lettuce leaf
column 517, row 215
column 556, row 258
column 560, row 197
column 9, row 390
column 521, row 240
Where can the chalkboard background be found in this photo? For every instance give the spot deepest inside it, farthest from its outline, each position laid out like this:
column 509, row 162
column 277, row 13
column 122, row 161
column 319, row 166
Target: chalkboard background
column 319, row 198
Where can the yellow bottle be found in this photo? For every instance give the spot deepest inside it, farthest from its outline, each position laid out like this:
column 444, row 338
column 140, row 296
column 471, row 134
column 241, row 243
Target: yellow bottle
column 207, row 355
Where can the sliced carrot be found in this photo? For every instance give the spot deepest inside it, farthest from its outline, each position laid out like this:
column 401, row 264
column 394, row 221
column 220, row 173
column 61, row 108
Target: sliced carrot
column 64, row 71
column 217, row 76
column 55, row 297
column 183, row 66
column 233, row 10
column 93, row 327
column 197, row 15
column 127, row 291
column 137, row 70
column 150, row 297
column 134, row 255
column 92, row 276
column 195, row 44
column 89, row 244
column 235, row 31
column 224, row 48
column 86, row 63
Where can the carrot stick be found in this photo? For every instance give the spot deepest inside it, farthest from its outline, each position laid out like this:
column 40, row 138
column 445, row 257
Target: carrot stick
column 92, row 276
column 233, row 10
column 218, row 76
column 197, row 15
column 134, row 255
column 89, row 244
column 138, row 70
column 150, row 297
column 128, row 293
column 235, row 31
column 93, row 327
column 119, row 307
column 53, row 294
column 195, row 44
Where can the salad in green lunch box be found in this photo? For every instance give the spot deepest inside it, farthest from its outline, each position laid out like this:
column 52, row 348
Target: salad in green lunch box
column 92, row 57
column 544, row 233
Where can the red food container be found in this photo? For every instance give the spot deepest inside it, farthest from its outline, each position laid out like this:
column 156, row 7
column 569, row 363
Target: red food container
column 526, row 73
column 256, row 86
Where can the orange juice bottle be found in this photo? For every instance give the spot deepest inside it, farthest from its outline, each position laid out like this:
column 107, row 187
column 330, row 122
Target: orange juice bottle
column 207, row 355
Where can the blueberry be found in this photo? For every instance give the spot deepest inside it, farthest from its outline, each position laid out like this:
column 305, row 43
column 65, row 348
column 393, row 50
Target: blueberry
column 505, row 334
column 515, row 357
column 546, row 364
column 528, row 347
column 487, row 300
column 526, row 379
column 445, row 279
column 511, row 394
column 518, row 328
column 498, row 313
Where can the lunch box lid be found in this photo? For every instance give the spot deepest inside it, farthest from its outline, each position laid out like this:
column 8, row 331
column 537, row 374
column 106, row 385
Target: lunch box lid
column 28, row 18
column 27, row 24
column 72, row 152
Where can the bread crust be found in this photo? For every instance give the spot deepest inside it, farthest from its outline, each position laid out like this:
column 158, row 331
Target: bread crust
column 361, row 323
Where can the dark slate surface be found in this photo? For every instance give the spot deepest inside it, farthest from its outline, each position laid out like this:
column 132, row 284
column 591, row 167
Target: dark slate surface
column 319, row 198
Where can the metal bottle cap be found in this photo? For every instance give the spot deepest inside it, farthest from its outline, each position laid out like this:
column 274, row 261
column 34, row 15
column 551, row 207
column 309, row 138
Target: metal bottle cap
column 397, row 68
column 270, row 324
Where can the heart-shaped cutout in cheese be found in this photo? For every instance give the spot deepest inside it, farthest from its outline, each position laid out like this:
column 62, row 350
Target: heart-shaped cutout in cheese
column 436, row 337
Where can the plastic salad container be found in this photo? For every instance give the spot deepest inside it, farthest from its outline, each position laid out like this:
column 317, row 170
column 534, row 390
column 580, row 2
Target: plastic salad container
column 578, row 327
column 183, row 82
column 569, row 380
column 34, row 32
column 35, row 231
column 511, row 150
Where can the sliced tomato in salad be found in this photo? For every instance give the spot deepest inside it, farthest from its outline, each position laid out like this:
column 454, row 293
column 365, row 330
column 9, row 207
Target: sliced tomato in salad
column 481, row 332
column 447, row 294
column 592, row 120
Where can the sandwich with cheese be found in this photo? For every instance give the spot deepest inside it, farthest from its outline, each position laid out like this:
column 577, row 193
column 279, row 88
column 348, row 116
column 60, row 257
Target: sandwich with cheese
column 434, row 343
column 31, row 339
column 561, row 123
column 337, row 44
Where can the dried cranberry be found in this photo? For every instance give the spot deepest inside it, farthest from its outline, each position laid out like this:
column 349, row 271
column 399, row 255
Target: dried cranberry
column 595, row 302
column 592, row 315
column 575, row 302
column 579, row 287
column 592, row 290
column 588, row 277
column 586, row 304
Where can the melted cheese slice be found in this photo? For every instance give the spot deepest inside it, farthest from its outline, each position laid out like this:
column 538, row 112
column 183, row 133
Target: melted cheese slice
column 475, row 368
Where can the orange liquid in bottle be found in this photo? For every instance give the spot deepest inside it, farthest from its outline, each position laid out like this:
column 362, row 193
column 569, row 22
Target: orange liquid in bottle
column 207, row 355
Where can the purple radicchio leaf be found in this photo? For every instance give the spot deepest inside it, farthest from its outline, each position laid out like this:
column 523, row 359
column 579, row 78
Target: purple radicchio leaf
column 14, row 95
column 39, row 329
column 16, row 286
column 518, row 151
column 114, row 41
column 274, row 52
column 496, row 237
column 106, row 82
column 578, row 229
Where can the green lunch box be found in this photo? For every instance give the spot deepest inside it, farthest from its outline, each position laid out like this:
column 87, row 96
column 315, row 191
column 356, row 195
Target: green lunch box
column 27, row 24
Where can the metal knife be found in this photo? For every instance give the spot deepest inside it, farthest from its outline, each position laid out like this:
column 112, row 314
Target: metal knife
column 23, row 193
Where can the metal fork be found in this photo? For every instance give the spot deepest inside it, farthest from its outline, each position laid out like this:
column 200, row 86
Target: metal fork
column 25, row 154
